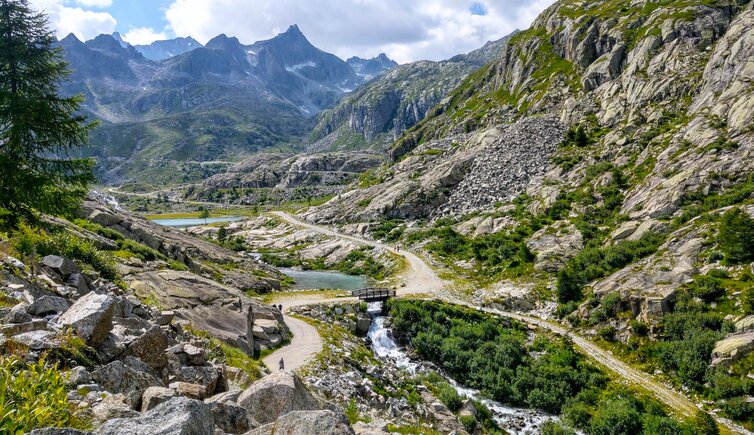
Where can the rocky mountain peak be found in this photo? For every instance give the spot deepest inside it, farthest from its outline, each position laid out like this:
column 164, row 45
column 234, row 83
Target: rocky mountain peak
column 223, row 42
column 117, row 37
column 70, row 40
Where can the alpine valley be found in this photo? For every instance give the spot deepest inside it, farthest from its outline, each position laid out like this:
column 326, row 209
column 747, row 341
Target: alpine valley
column 551, row 234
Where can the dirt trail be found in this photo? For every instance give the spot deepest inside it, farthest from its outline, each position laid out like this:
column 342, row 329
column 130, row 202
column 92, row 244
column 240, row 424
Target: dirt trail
column 306, row 344
column 420, row 278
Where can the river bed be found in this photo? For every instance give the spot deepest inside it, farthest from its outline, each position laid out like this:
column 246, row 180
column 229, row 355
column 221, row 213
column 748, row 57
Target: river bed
column 519, row 421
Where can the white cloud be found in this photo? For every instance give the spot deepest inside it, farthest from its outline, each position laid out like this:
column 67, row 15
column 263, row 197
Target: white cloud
column 85, row 24
column 405, row 30
column 95, row 3
column 144, row 36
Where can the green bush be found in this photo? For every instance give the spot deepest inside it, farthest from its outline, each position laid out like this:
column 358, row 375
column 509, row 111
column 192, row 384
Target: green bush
column 450, row 397
column 739, row 409
column 607, row 332
column 144, row 252
column 736, row 236
column 469, row 422
column 707, row 288
column 481, row 352
column 597, row 262
column 33, row 396
column 638, row 327
column 616, row 417
column 38, row 242
column 747, row 300
column 553, row 428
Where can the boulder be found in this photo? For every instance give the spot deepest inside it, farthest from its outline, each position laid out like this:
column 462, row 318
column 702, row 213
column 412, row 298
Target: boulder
column 150, row 347
column 38, row 340
column 78, row 376
column 57, row 431
column 91, row 317
column 554, row 245
column 306, row 423
column 47, row 305
column 746, row 324
column 185, row 389
column 117, row 377
column 63, row 267
column 177, row 416
column 154, row 396
column 275, row 395
column 111, row 407
column 230, row 417
column 206, row 376
column 732, row 349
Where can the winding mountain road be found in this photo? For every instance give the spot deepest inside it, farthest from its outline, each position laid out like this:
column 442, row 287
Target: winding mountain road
column 420, row 278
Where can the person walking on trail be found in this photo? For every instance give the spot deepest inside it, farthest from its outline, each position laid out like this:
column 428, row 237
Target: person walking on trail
column 282, row 364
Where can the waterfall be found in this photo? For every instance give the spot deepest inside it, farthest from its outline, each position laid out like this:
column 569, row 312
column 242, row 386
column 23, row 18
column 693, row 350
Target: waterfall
column 512, row 420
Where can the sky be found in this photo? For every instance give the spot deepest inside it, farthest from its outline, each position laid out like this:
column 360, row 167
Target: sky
column 405, row 30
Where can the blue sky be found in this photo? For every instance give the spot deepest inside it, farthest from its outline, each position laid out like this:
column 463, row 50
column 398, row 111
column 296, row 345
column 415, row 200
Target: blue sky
column 134, row 14
column 404, row 30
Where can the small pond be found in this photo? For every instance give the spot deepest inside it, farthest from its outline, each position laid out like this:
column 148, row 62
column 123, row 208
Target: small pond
column 314, row 279
column 194, row 222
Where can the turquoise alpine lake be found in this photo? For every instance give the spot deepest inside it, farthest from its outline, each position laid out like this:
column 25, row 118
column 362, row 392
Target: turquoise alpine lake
column 194, row 222
column 315, row 279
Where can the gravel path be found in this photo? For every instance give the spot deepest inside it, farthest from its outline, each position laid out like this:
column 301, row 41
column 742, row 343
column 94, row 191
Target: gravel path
column 420, row 278
column 305, row 345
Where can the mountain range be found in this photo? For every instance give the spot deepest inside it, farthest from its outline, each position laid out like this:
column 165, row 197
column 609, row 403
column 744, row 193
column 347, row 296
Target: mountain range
column 213, row 102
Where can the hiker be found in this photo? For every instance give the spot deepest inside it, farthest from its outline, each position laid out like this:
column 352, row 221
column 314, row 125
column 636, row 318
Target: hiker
column 282, row 364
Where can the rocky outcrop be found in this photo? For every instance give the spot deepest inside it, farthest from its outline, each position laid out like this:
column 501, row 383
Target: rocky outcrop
column 91, row 317
column 305, row 423
column 208, row 306
column 732, row 349
column 178, row 416
column 554, row 245
column 507, row 160
column 277, row 395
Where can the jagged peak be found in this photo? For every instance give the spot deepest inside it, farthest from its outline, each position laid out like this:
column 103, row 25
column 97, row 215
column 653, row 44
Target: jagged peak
column 222, row 41
column 293, row 30
column 71, row 39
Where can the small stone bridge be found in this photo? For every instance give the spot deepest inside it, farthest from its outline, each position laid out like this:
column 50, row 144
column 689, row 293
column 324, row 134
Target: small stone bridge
column 373, row 294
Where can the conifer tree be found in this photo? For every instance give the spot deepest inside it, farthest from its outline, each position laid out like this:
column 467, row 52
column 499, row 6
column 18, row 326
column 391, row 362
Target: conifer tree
column 39, row 129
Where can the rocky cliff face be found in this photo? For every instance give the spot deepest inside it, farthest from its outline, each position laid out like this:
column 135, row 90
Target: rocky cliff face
column 161, row 50
column 377, row 113
column 665, row 87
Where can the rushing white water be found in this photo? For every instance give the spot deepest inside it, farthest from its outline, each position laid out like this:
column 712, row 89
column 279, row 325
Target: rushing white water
column 512, row 420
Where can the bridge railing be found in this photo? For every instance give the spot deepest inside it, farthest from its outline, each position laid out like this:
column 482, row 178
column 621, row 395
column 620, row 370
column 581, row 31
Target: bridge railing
column 374, row 293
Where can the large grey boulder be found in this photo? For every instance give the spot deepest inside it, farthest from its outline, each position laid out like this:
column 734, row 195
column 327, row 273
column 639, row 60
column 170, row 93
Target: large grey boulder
column 150, row 348
column 117, row 377
column 153, row 396
column 112, row 407
column 61, row 266
column 276, row 395
column 230, row 418
column 177, row 416
column 306, row 423
column 47, row 305
column 91, row 317
column 732, row 349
